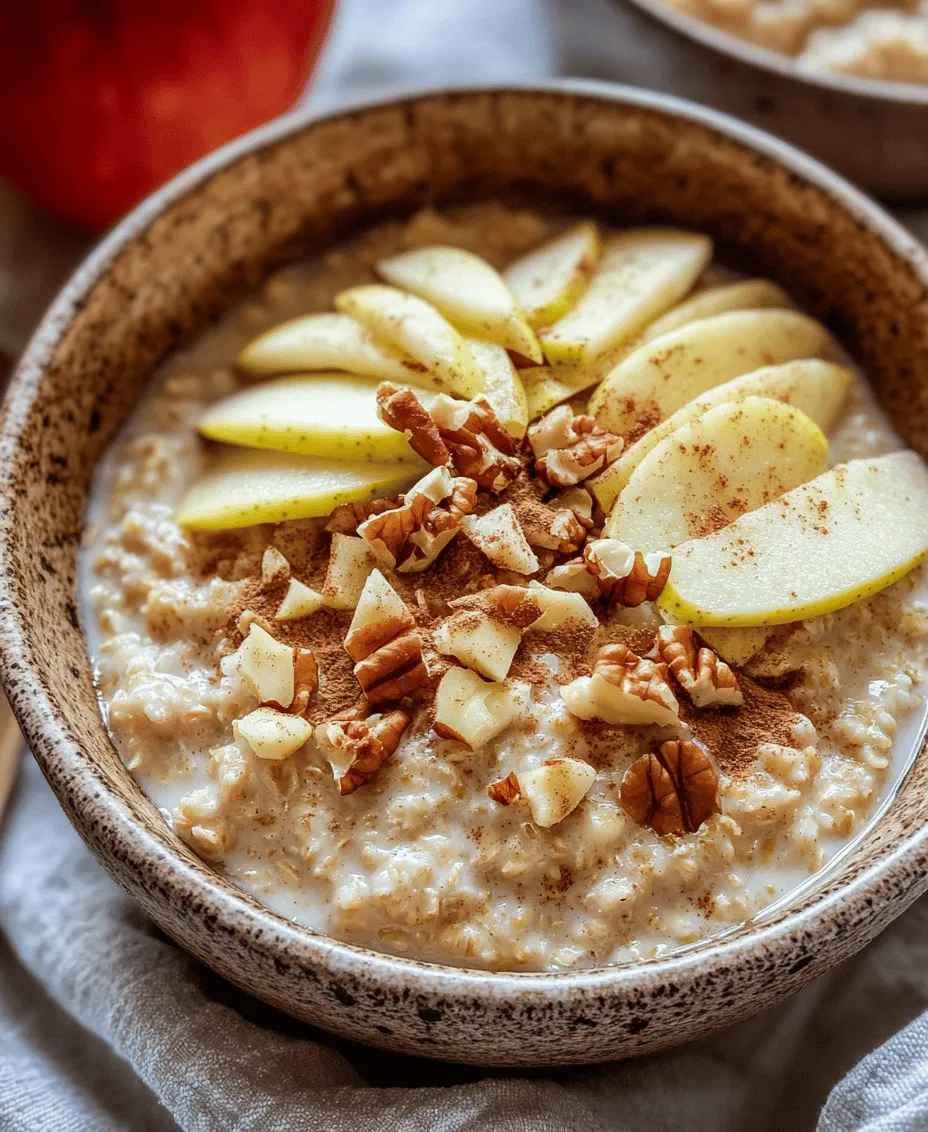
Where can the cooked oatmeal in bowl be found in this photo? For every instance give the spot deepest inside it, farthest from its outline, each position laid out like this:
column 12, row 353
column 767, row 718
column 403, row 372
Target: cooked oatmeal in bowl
column 512, row 593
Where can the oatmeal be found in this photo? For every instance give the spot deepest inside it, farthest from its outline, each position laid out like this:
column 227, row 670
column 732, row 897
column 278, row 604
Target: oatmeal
column 888, row 42
column 435, row 696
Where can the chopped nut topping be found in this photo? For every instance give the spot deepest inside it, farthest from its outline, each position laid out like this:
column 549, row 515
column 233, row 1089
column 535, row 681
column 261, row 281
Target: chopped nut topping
column 505, row 791
column 346, row 518
column 385, row 644
column 463, row 434
column 411, row 535
column 510, row 605
column 625, row 576
column 559, row 530
column 360, row 746
column 697, row 669
column 673, row 791
column 305, row 680
column 624, row 688
column 570, row 448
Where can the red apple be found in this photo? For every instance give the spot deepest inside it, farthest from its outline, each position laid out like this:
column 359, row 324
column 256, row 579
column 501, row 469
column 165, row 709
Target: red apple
column 102, row 100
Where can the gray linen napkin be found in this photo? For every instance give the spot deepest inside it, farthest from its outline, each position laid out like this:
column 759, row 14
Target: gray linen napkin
column 105, row 1024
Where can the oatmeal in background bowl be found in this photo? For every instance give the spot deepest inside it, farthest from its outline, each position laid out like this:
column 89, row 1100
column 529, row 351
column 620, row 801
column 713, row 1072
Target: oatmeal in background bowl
column 511, row 593
column 884, row 42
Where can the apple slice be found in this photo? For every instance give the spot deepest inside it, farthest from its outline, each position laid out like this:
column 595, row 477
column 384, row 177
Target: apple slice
column 661, row 376
column 472, row 711
column 641, row 274
column 272, row 734
column 548, row 386
column 555, row 789
column 816, row 388
column 351, row 563
column 325, row 342
column 469, row 293
column 736, row 646
column 479, row 642
column 299, row 601
column 502, row 386
column 743, row 295
column 732, row 459
column 243, row 487
column 410, row 324
column 548, row 281
column 327, row 414
column 846, row 535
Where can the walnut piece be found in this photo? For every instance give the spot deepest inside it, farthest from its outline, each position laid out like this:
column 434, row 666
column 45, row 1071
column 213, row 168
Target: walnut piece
column 347, row 517
column 410, row 535
column 465, row 435
column 703, row 675
column 569, row 448
column 624, row 688
column 356, row 747
column 510, row 605
column 505, row 791
column 550, row 528
column 385, row 644
column 674, row 790
column 625, row 576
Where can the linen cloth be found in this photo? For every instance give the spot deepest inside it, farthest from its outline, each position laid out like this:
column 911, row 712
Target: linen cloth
column 106, row 1025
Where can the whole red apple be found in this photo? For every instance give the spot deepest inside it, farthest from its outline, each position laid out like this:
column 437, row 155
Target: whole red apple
column 102, row 100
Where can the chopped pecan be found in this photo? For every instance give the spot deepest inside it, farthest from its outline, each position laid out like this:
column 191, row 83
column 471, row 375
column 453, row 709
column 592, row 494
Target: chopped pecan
column 551, row 529
column 506, row 790
column 569, row 448
column 346, row 518
column 463, row 434
column 706, row 678
column 384, row 643
column 305, row 680
column 674, row 790
column 360, row 745
column 625, row 576
column 411, row 535
column 635, row 675
column 514, row 606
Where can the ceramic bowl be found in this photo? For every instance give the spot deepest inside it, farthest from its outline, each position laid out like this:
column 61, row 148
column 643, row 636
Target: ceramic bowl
column 873, row 132
column 297, row 186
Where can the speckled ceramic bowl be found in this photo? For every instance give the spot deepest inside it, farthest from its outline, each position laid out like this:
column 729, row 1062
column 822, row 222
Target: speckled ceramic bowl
column 871, row 131
column 296, row 186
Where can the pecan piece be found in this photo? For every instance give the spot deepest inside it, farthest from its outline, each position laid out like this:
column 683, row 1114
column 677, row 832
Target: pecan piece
column 463, row 434
column 385, row 644
column 410, row 535
column 673, row 790
column 347, row 517
column 625, row 576
column 506, row 790
column 624, row 688
column 701, row 673
column 360, row 746
column 569, row 448
column 305, row 680
column 514, row 606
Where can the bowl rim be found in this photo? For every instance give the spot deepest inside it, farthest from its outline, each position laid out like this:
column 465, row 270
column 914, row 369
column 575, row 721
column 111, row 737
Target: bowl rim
column 235, row 912
column 765, row 58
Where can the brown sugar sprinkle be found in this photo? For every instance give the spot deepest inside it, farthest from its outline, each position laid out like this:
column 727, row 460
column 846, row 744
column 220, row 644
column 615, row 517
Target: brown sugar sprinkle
column 734, row 734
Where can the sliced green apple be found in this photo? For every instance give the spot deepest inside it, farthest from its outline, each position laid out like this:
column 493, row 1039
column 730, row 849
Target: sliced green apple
column 815, row 387
column 326, row 342
column 502, row 385
column 840, row 538
column 245, row 486
column 414, row 326
column 548, row 281
column 743, row 295
column 641, row 274
column 661, row 376
column 326, row 414
column 547, row 386
column 469, row 293
column 734, row 458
